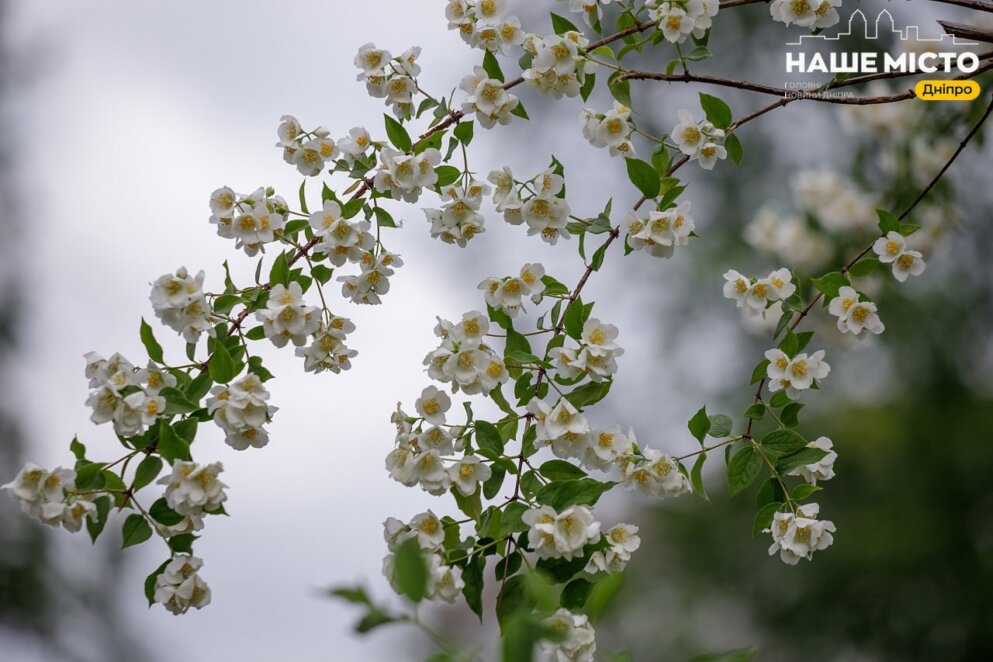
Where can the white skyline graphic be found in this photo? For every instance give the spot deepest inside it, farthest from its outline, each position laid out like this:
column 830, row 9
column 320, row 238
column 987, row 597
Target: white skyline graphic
column 883, row 24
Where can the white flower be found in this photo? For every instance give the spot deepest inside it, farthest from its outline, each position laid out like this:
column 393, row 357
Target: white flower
column 796, row 374
column 328, row 350
column 371, row 60
column 286, row 318
column 578, row 638
column 458, row 220
column 563, row 418
column 688, row 134
column 798, row 536
column 488, row 99
column 561, row 535
column 893, row 249
column 180, row 587
column 444, row 581
column 710, row 153
column 429, row 531
column 666, row 472
column 806, row 13
column 674, row 22
column 599, row 337
column 823, row 469
column 606, row 446
column 736, row 287
column 50, row 497
column 432, row 405
column 179, row 302
column 467, row 473
column 854, row 315
column 355, row 144
column 546, row 216
column 192, row 489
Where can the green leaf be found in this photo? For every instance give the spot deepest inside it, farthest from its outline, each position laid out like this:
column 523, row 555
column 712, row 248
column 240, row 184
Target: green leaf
column 718, row 112
column 699, row 425
column 573, row 320
column 589, row 82
column 644, row 177
column 488, row 437
column 221, row 367
column 472, row 576
column 519, row 111
column 562, row 25
column 492, row 67
column 78, row 449
column 279, row 274
column 887, row 222
column 743, row 469
column 470, row 505
column 89, row 476
column 411, row 570
column 790, row 415
column 182, row 543
column 779, row 399
column 800, row 458
column 696, row 476
column 735, row 149
column 830, row 283
column 763, row 518
column 150, row 582
column 171, row 447
column 513, row 596
column 771, row 491
column 804, row 490
column 560, row 470
column 620, row 89
column 864, row 267
column 756, row 411
column 782, row 442
column 163, row 514
column 136, row 530
column 720, row 426
column 152, row 345
column 604, row 592
column 147, row 471
column 562, row 494
column 383, row 218
column 588, row 394
column 740, row 655
column 760, row 371
column 303, row 196
column 463, row 132
column 397, row 134
column 575, row 594
column 447, row 174
column 95, row 526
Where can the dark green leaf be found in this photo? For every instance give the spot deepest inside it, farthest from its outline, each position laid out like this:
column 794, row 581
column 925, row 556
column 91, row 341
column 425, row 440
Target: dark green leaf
column 700, row 424
column 743, row 469
column 562, row 494
column 136, row 530
column 152, row 346
column 717, row 111
column 397, row 134
column 147, row 471
column 644, row 177
column 561, row 470
column 411, row 570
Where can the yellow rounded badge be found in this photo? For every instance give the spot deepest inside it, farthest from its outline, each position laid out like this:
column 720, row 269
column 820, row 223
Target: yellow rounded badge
column 947, row 90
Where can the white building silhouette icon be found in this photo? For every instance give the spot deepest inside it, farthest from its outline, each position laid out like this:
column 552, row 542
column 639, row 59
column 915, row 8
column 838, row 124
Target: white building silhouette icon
column 884, row 24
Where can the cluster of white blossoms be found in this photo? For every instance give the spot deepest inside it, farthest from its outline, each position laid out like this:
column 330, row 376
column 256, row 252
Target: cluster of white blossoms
column 823, row 469
column 327, row 351
column 179, row 586
column 611, row 129
column 855, row 314
column 591, row 10
column 654, row 474
column 701, row 141
column 622, row 541
column 241, row 409
column 462, row 359
column 444, row 581
column 594, row 358
column 459, row 219
column 488, row 99
column 373, row 280
column 555, row 535
column 194, row 489
column 390, row 78
column 795, row 374
column 286, row 318
column 677, row 19
column 179, row 302
column 309, row 151
column 507, row 294
column 251, row 220
column 892, row 249
column 661, row 232
column 50, row 497
column 798, row 535
column 754, row 295
column 837, row 203
column 576, row 637
column 341, row 240
column 789, row 238
column 405, row 175
column 483, row 24
column 813, row 14
column 554, row 63
column 123, row 395
column 536, row 203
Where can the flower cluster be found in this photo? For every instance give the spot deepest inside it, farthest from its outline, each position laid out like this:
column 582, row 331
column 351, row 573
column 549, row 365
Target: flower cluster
column 390, row 78
column 403, row 176
column 374, row 279
column 661, row 232
column 701, row 141
column 892, row 249
column 252, row 220
column 179, row 586
column 813, row 14
column 795, row 374
column 123, row 395
column 463, row 359
column 754, row 295
column 595, row 357
column 821, row 470
column 611, row 129
column 341, row 240
column 286, row 318
column 241, row 409
column 538, row 202
column 592, row 10
column 507, row 294
column 855, row 314
column 444, row 581
column 563, row 535
column 556, row 63
column 327, row 351
column 798, row 535
column 50, row 497
column 179, row 302
column 482, row 24
column 576, row 637
column 309, row 151
column 622, row 541
column 193, row 489
column 678, row 19
column 653, row 474
column 488, row 99
column 459, row 219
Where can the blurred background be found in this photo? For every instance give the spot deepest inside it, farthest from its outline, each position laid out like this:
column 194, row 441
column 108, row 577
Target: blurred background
column 120, row 118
